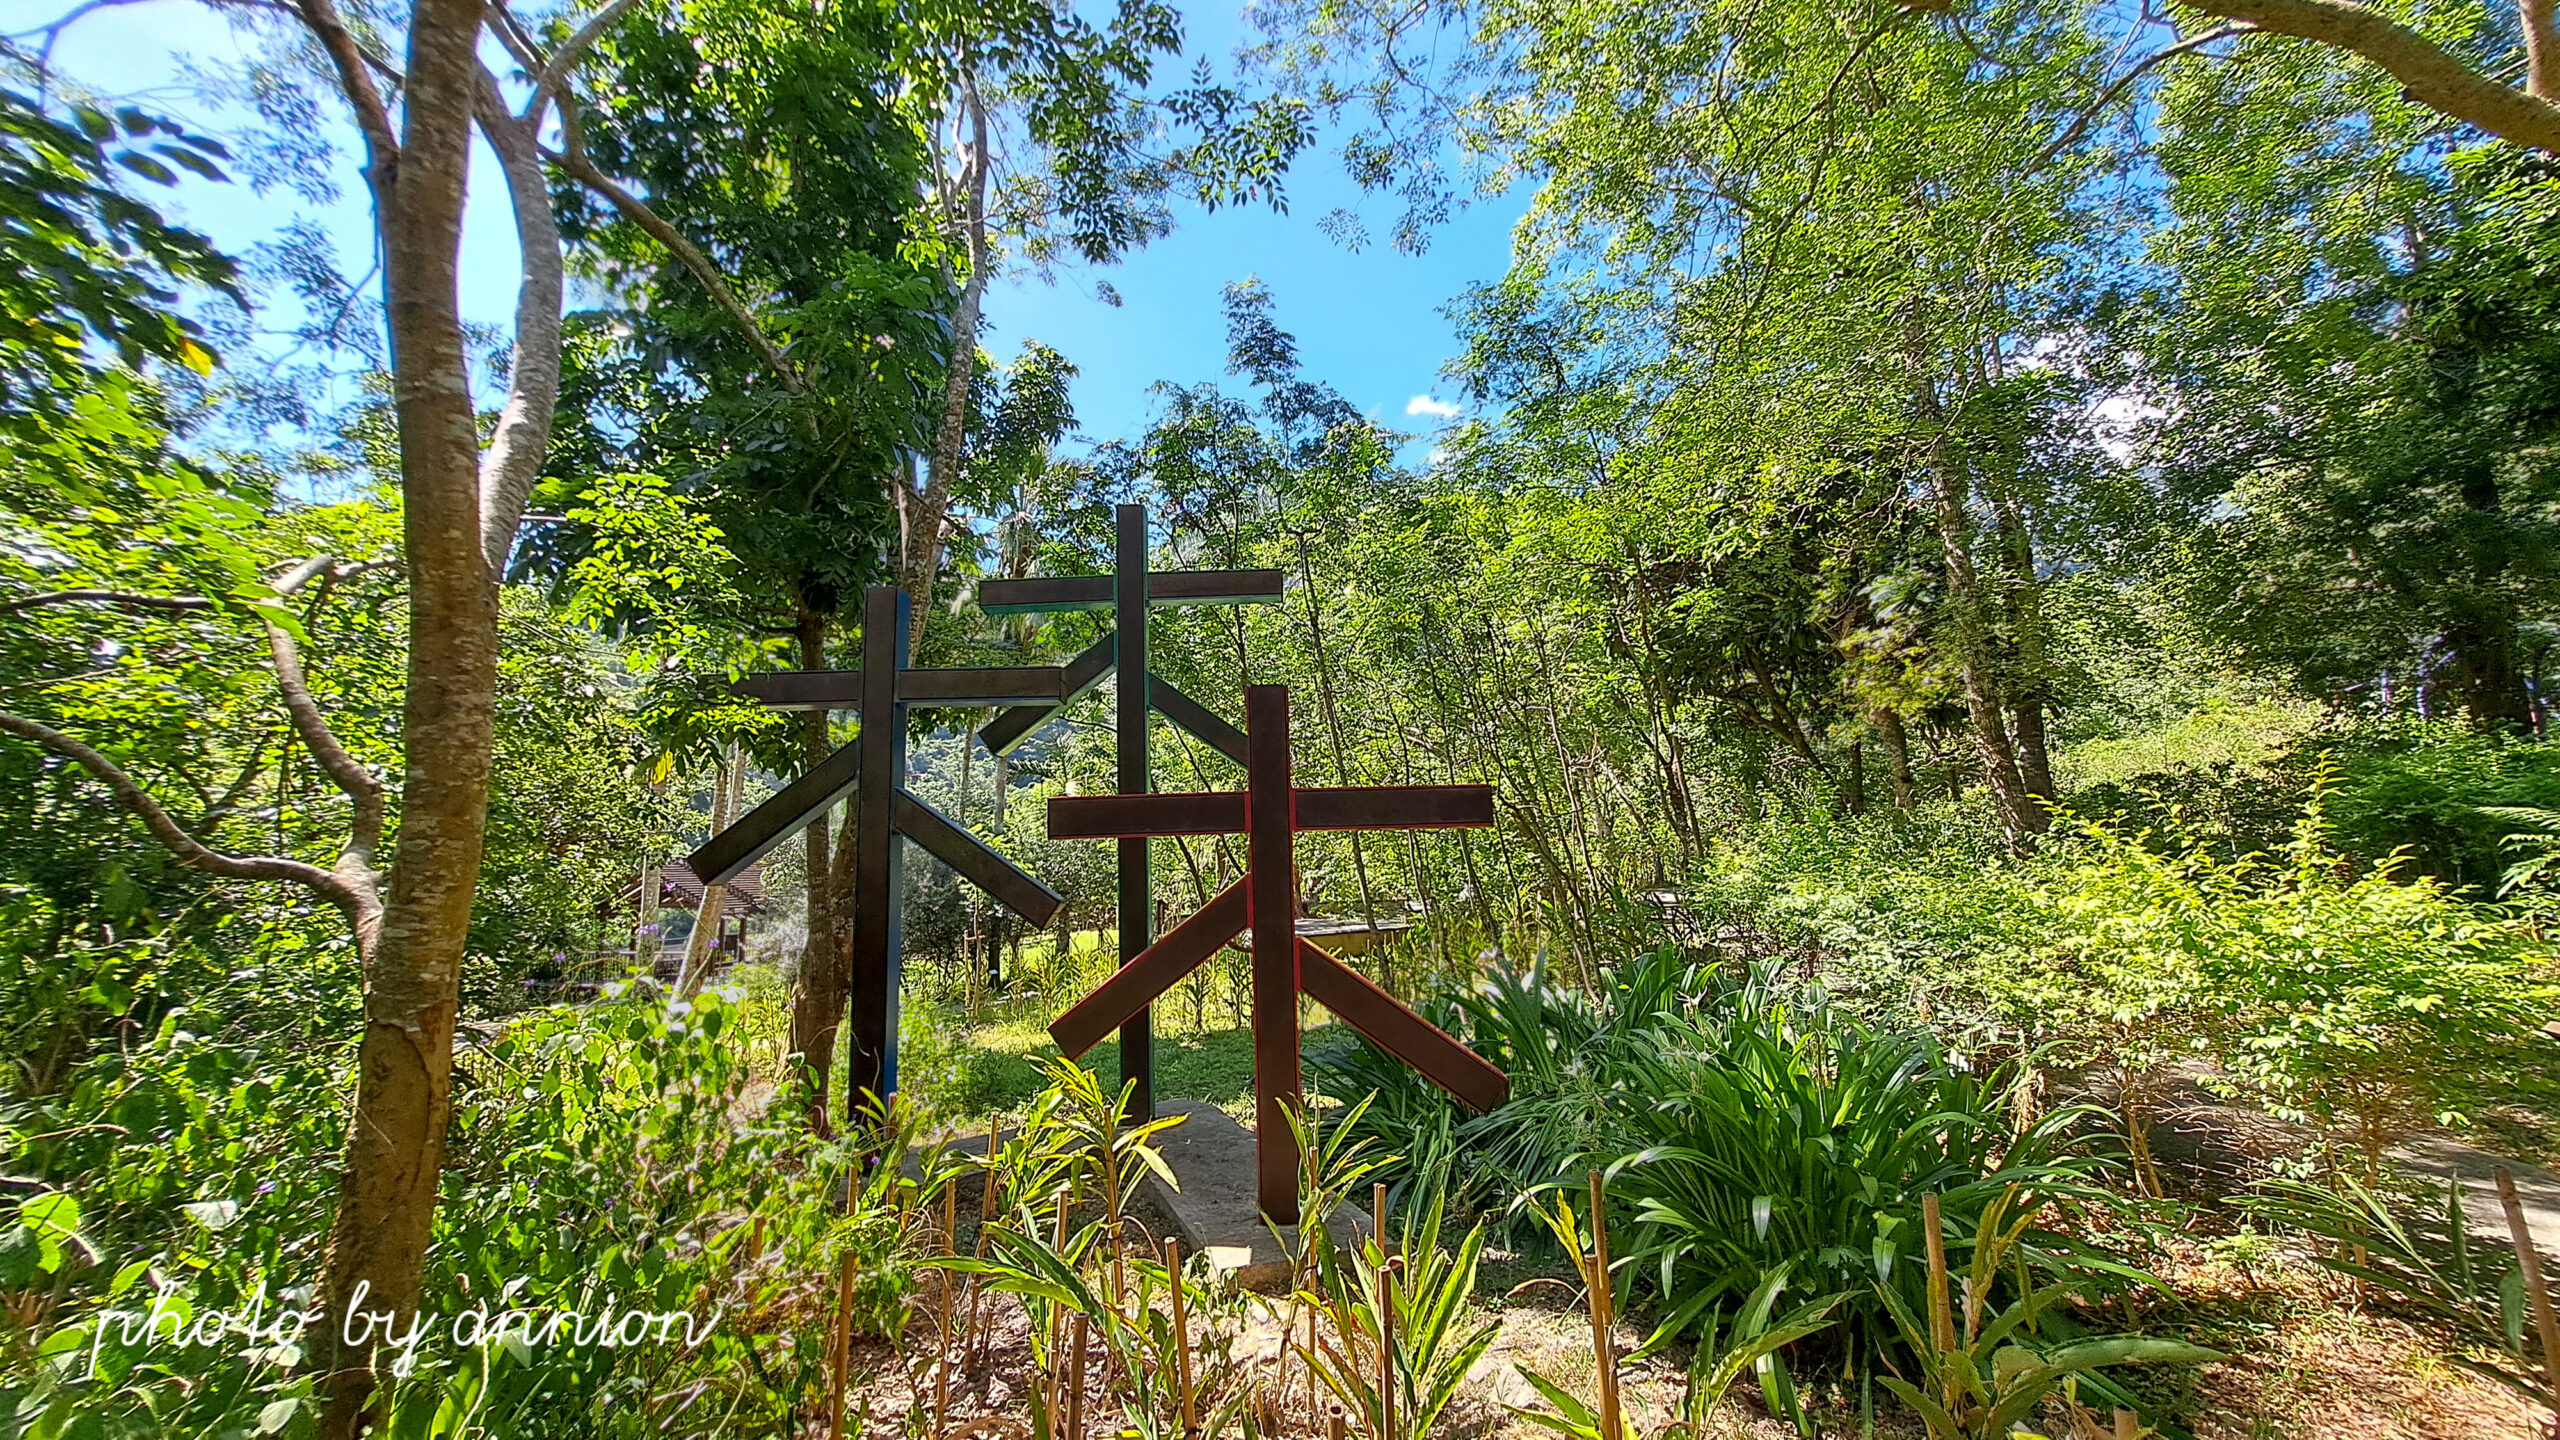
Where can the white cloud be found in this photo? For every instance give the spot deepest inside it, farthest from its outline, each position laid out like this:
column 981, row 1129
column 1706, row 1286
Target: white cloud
column 1426, row 405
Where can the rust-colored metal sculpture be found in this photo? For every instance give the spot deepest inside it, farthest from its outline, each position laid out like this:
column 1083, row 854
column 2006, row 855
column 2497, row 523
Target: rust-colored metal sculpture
column 1269, row 812
column 1130, row 592
column 873, row 769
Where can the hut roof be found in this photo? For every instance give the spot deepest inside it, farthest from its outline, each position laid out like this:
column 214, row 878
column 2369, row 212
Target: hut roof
column 680, row 889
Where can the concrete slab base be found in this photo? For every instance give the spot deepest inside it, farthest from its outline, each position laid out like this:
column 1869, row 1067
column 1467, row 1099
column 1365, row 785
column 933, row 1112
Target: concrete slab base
column 1215, row 1212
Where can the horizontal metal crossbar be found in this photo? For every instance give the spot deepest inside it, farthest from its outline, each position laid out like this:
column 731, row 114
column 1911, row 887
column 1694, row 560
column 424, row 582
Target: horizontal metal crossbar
column 1222, row 812
column 842, row 689
column 1165, row 588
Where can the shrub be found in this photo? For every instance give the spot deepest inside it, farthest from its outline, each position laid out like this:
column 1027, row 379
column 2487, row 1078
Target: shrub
column 1744, row 1127
column 2370, row 1006
column 2420, row 790
column 1772, row 1132
column 607, row 1155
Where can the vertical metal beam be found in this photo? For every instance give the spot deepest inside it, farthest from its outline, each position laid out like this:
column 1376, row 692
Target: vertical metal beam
column 1137, row 895
column 871, row 1061
column 1273, row 895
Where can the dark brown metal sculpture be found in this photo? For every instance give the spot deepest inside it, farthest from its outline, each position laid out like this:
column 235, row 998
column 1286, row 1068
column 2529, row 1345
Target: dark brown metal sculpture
column 1269, row 812
column 1129, row 592
column 873, row 769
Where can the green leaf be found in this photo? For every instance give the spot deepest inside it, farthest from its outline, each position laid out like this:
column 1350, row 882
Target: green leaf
column 146, row 167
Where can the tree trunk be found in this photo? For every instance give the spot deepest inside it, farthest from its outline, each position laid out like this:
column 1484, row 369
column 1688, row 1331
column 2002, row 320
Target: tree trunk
column 523, row 431
column 2035, row 766
column 2493, row 688
column 1897, row 754
column 646, row 893
column 927, row 532
column 1333, row 726
column 817, row 997
column 2025, row 604
column 376, row 1255
column 2019, row 814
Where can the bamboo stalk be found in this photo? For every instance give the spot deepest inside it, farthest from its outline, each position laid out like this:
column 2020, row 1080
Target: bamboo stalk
column 1315, row 1386
column 1386, row 1320
column 843, row 1347
column 1334, row 1429
column 1942, row 1320
column 2537, row 1289
column 1181, row 1333
column 1057, row 1371
column 986, row 1217
column 1603, row 1314
column 1075, row 1383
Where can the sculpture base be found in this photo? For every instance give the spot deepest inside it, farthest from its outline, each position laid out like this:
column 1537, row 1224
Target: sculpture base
column 1216, row 1213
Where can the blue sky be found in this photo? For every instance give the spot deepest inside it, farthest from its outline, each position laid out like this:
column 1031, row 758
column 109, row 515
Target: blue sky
column 1369, row 323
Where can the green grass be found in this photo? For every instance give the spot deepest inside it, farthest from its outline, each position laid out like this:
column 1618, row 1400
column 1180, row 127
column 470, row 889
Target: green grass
column 992, row 1069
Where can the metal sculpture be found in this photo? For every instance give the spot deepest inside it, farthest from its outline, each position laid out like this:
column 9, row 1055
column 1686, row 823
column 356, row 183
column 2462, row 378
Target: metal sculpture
column 1129, row 592
column 873, row 769
column 1269, row 811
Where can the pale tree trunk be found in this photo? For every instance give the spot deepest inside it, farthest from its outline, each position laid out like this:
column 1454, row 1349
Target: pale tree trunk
column 725, row 789
column 2541, row 49
column 514, row 458
column 928, row 530
column 646, row 893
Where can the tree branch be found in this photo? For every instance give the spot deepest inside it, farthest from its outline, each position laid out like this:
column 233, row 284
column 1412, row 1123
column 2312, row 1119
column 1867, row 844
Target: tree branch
column 2541, row 49
column 2432, row 76
column 191, row 852
column 2108, row 96
column 124, row 600
column 513, row 460
column 343, row 769
column 555, row 71
column 303, row 573
column 361, row 785
column 355, row 78
column 571, row 157
column 222, row 805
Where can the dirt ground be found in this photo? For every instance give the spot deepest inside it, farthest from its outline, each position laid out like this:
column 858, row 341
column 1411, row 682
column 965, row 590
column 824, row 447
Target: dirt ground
column 2303, row 1358
column 2301, row 1361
